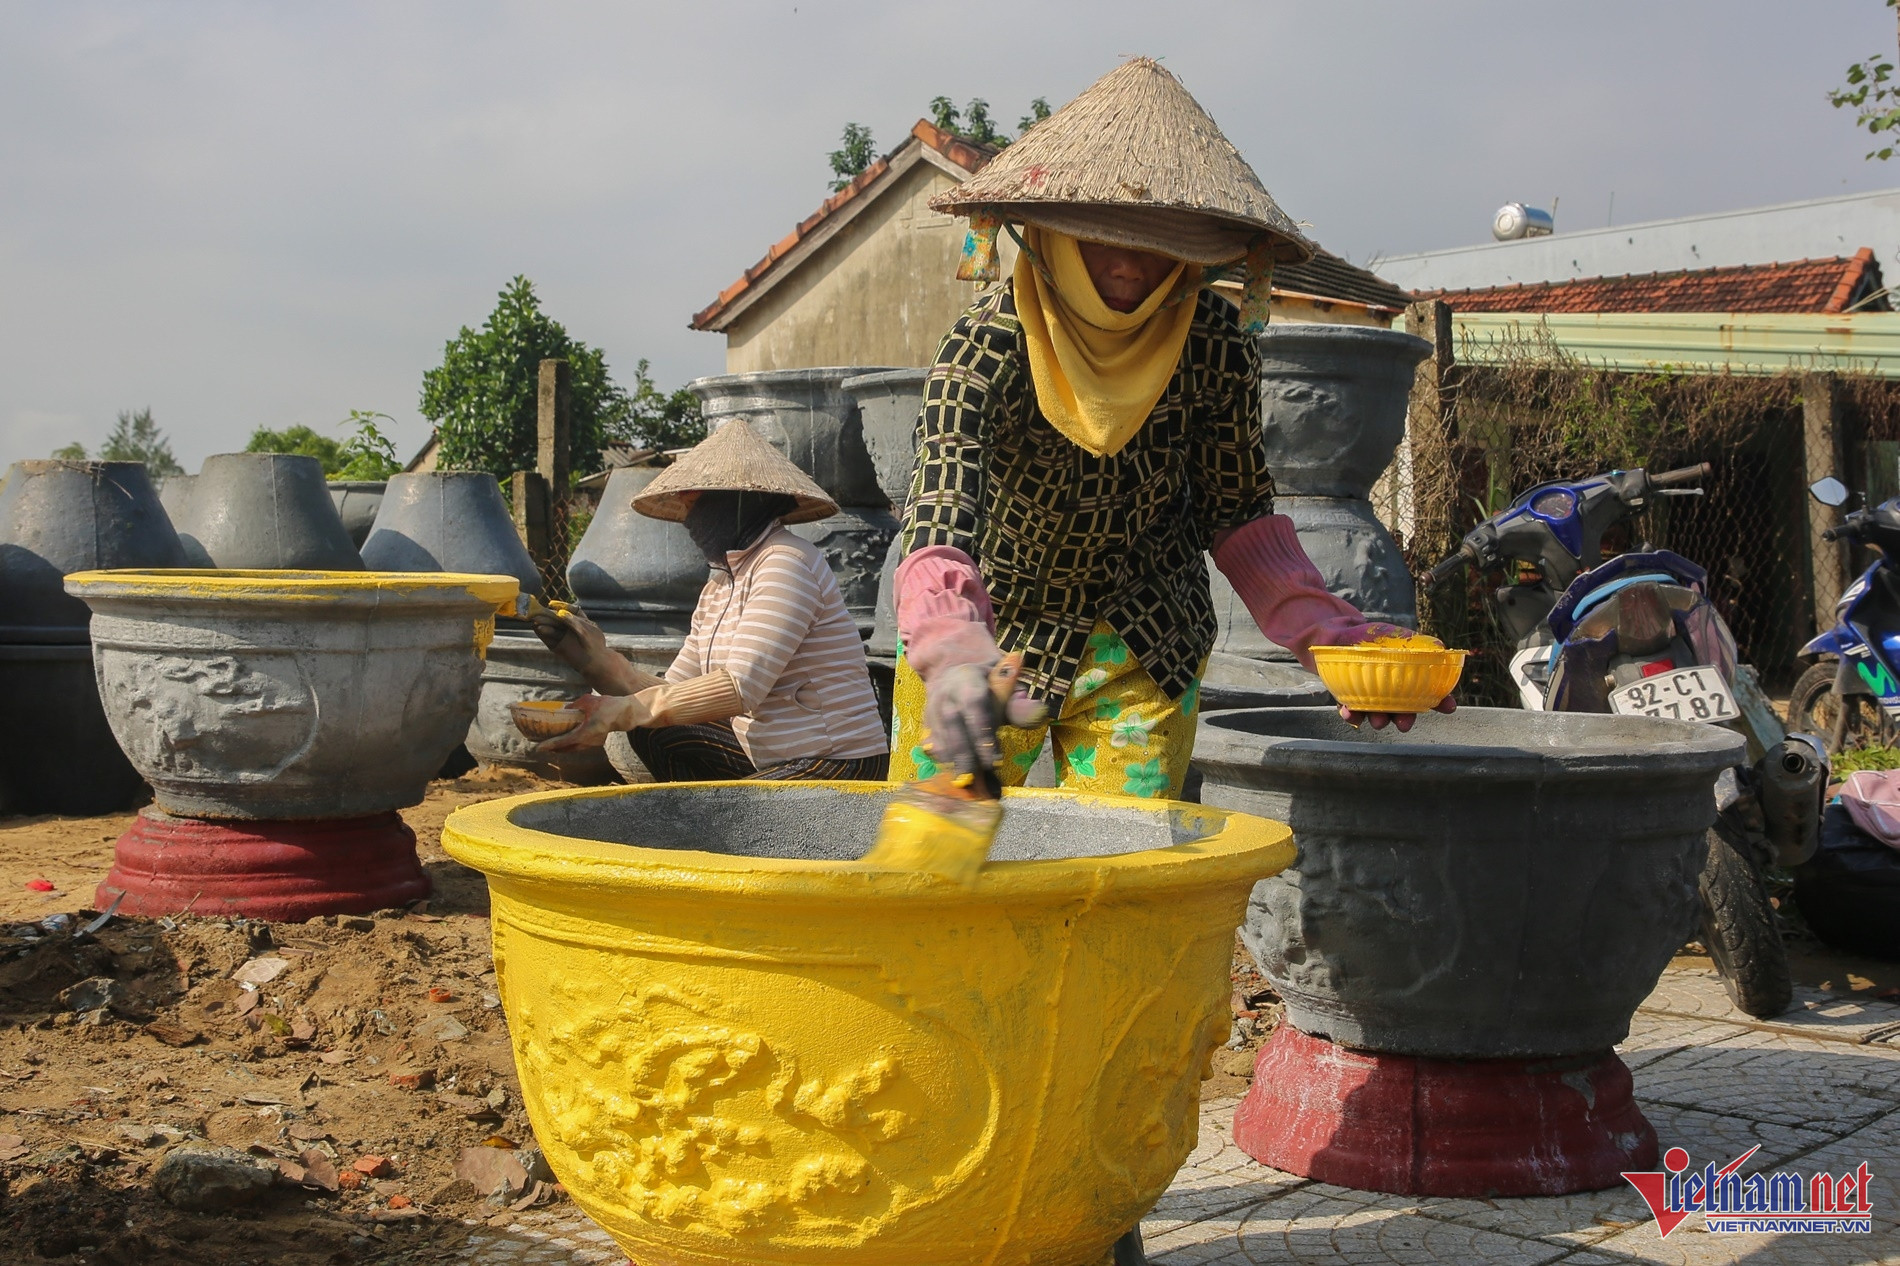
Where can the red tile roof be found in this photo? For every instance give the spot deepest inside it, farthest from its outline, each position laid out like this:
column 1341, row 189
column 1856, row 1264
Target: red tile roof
column 965, row 154
column 1805, row 285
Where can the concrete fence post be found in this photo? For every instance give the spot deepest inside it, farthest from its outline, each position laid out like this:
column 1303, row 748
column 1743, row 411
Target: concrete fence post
column 1821, row 456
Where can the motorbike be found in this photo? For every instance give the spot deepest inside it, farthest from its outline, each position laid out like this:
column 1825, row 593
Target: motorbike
column 1850, row 696
column 1637, row 635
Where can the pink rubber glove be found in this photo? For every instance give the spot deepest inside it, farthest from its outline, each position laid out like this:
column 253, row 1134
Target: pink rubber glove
column 947, row 626
column 1288, row 599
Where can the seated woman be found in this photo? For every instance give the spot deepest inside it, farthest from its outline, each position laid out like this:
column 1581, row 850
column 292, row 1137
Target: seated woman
column 771, row 682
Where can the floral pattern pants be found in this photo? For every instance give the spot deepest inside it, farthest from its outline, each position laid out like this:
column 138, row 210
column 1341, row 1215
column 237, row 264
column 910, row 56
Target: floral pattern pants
column 1117, row 732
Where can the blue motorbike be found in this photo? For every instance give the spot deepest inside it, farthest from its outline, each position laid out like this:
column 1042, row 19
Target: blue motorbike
column 1851, row 695
column 1637, row 634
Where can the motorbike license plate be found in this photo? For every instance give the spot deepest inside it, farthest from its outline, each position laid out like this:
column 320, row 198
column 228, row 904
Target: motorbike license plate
column 1688, row 694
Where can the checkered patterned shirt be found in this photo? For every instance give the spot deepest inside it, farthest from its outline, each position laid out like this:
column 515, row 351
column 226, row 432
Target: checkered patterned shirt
column 1062, row 536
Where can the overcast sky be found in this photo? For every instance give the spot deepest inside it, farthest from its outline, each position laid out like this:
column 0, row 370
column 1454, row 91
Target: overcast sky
column 247, row 214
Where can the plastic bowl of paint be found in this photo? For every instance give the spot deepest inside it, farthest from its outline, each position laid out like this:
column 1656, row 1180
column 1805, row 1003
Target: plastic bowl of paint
column 542, row 719
column 1390, row 674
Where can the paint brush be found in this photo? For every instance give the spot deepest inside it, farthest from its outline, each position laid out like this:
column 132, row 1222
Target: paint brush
column 946, row 823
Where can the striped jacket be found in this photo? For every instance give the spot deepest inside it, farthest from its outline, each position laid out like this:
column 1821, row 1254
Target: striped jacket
column 773, row 618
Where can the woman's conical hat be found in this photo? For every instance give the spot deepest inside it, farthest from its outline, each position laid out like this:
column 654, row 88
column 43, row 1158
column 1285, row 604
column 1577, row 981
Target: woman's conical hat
column 733, row 459
column 1134, row 161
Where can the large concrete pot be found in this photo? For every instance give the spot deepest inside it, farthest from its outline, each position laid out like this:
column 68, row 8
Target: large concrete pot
column 1233, row 681
column 1332, row 398
column 633, row 574
column 1477, row 910
column 855, row 542
column 888, row 405
column 264, row 510
column 448, row 520
column 174, row 493
column 1495, row 883
column 289, row 694
column 57, row 754
column 520, row 668
column 357, row 501
column 809, row 415
column 740, row 1046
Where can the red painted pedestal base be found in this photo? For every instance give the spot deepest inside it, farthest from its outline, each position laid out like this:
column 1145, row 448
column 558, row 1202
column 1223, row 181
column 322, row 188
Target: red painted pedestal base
column 286, row 870
column 1438, row 1127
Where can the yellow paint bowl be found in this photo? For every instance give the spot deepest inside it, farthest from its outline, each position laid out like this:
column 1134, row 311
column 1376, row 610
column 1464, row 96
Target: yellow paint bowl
column 542, row 719
column 739, row 1045
column 1389, row 677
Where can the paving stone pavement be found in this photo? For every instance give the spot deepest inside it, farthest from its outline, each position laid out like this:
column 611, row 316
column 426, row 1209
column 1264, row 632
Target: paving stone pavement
column 1817, row 1088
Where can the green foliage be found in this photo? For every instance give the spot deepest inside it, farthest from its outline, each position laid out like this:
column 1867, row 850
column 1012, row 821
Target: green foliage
column 660, row 420
column 850, row 160
column 301, row 441
column 368, row 454
column 1855, row 759
column 943, row 112
column 482, row 397
column 1875, row 98
column 1038, row 111
column 134, row 438
column 973, row 122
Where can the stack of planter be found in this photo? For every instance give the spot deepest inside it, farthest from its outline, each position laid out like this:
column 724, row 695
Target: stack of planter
column 57, row 755
column 1477, row 909
column 813, row 420
column 282, row 702
column 888, row 405
column 456, row 521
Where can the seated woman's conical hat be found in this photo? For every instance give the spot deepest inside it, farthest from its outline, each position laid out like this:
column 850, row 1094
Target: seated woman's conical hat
column 1134, row 161
column 733, row 459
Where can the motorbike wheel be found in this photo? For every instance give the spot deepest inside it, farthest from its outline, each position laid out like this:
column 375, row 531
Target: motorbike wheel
column 1814, row 709
column 1741, row 932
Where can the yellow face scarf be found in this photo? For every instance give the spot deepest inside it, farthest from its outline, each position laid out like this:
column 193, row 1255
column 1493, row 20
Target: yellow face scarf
column 1098, row 372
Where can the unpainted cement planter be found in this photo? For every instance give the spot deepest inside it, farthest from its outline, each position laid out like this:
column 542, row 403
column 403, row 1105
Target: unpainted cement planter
column 263, row 510
column 888, row 405
column 1232, row 681
column 448, row 521
column 1494, row 884
column 289, row 694
column 738, row 1046
column 809, row 416
column 856, row 543
column 357, row 501
column 1332, row 402
column 633, row 574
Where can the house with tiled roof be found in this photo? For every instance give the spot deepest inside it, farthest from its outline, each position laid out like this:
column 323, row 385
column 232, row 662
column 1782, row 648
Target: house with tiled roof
column 869, row 278
column 1837, row 284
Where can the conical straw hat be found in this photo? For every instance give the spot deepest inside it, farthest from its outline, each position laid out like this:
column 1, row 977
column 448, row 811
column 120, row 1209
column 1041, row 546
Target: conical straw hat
column 1134, row 161
column 733, row 458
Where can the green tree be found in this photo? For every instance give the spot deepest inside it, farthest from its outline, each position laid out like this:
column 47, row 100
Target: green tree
column 661, row 420
column 1875, row 97
column 849, row 161
column 979, row 127
column 369, row 454
column 482, row 397
column 943, row 112
column 302, row 441
column 1038, row 111
column 134, row 438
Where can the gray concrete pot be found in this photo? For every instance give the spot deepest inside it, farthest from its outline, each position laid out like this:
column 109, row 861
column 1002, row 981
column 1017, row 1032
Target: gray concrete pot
column 357, row 501
column 855, row 542
column 888, row 405
column 520, row 668
column 1355, row 555
column 448, row 520
column 174, row 493
column 632, row 574
column 883, row 639
column 1332, row 398
column 57, row 753
column 1233, row 681
column 810, row 417
column 264, row 510
column 281, row 695
column 1494, row 884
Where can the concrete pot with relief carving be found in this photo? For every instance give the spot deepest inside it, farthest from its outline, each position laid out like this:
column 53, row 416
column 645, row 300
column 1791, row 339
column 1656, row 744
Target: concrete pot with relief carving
column 740, row 1045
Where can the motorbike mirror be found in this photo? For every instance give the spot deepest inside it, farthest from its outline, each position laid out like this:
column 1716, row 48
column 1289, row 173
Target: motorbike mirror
column 1829, row 491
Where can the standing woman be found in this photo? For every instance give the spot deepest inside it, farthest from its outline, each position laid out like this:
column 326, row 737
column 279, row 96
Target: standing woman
column 771, row 682
column 1091, row 431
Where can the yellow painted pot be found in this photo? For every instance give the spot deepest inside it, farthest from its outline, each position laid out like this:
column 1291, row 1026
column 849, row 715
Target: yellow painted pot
column 739, row 1045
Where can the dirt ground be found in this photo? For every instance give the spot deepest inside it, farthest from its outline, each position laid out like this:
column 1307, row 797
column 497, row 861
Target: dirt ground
column 379, row 1037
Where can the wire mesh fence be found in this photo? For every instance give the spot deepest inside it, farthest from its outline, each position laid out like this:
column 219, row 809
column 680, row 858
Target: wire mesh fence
column 1527, row 414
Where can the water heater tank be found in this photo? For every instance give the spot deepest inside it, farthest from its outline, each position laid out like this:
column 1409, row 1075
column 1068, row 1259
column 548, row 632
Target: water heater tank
column 1514, row 220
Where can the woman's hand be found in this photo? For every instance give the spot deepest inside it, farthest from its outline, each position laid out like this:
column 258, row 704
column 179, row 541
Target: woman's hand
column 573, row 637
column 605, row 715
column 1403, row 720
